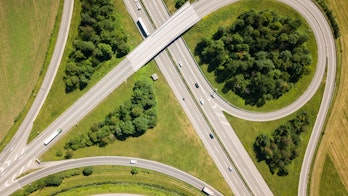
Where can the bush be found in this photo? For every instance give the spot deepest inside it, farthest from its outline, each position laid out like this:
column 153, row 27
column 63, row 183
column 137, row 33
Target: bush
column 87, row 171
column 68, row 154
column 59, row 153
column 53, row 180
column 134, row 171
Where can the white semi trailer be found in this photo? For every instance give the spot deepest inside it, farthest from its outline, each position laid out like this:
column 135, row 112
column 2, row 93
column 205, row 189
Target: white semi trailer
column 52, row 136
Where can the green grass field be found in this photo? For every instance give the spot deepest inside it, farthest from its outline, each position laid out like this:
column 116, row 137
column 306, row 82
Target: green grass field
column 25, row 34
column 224, row 17
column 247, row 132
column 173, row 141
column 111, row 179
column 58, row 101
column 331, row 183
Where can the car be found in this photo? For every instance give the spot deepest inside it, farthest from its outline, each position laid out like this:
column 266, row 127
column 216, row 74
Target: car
column 212, row 95
column 137, row 3
column 133, row 161
column 201, row 101
column 180, row 64
column 230, row 168
column 196, row 84
column 211, row 135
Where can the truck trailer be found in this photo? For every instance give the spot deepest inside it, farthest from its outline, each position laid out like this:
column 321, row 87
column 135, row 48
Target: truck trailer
column 52, row 136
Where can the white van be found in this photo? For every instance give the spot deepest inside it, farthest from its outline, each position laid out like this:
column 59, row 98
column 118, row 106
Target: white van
column 133, row 161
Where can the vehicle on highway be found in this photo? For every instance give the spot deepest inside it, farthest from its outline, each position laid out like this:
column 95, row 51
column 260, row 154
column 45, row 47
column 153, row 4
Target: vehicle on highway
column 196, row 85
column 52, row 136
column 133, row 161
column 230, row 168
column 38, row 161
column 212, row 95
column 142, row 27
column 201, row 101
column 211, row 135
column 180, row 64
column 207, row 191
column 137, row 3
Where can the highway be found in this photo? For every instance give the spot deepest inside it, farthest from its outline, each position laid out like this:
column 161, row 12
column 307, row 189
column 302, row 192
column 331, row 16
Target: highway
column 154, row 44
column 58, row 166
column 214, row 115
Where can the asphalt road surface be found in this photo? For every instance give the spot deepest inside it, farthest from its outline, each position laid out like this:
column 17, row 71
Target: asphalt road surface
column 59, row 166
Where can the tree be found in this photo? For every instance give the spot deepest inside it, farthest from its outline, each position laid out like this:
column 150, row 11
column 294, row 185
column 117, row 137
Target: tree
column 140, row 125
column 53, row 180
column 68, row 154
column 179, row 3
column 127, row 128
column 104, row 51
column 87, row 171
column 134, row 171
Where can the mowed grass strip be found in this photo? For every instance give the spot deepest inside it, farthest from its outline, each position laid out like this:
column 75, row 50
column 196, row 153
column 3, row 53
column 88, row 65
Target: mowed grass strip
column 118, row 179
column 173, row 141
column 331, row 183
column 57, row 100
column 25, row 32
column 225, row 17
column 247, row 132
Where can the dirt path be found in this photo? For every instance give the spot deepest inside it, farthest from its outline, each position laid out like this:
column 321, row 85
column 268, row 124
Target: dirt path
column 336, row 132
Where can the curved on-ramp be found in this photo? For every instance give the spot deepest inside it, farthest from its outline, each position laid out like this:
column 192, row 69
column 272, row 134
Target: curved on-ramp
column 58, row 166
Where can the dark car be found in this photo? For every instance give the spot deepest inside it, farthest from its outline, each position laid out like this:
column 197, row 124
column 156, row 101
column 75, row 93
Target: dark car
column 196, row 84
column 211, row 135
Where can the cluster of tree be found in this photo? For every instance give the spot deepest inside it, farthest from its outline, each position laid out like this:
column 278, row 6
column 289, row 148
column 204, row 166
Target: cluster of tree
column 99, row 38
column 331, row 17
column 132, row 119
column 259, row 57
column 51, row 180
column 279, row 150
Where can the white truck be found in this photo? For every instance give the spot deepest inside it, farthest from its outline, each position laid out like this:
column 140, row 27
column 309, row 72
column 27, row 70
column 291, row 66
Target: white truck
column 142, row 27
column 207, row 191
column 52, row 136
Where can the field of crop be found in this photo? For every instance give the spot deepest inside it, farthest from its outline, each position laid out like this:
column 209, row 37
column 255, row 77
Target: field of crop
column 25, row 33
column 334, row 142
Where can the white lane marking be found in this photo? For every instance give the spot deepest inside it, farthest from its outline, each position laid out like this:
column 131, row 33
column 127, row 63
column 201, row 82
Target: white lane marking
column 23, row 150
column 21, row 170
column 15, row 158
column 1, row 169
column 11, row 149
column 6, row 183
